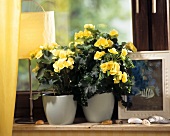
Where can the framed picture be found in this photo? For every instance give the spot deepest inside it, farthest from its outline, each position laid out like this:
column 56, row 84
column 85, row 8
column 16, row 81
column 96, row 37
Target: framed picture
column 151, row 86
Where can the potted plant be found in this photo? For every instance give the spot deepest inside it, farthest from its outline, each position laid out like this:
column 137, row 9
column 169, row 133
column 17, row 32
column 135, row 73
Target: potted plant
column 54, row 71
column 103, row 66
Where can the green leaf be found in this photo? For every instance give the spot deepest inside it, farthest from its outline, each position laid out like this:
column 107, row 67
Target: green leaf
column 36, row 96
column 101, row 76
column 45, row 87
column 108, row 73
column 40, row 73
column 87, row 47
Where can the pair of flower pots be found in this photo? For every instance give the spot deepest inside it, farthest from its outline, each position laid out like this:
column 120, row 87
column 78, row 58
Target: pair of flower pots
column 61, row 110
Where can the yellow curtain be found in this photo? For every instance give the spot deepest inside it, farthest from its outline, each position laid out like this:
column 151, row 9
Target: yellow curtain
column 9, row 39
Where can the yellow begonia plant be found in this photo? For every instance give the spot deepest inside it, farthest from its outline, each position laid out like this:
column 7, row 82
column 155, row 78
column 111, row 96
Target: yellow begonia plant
column 93, row 63
column 54, row 68
column 102, row 62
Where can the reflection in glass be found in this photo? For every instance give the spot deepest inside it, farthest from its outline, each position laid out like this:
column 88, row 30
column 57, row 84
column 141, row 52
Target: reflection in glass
column 148, row 86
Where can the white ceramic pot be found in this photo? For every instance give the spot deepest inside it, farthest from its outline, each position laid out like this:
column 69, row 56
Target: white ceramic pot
column 59, row 109
column 100, row 107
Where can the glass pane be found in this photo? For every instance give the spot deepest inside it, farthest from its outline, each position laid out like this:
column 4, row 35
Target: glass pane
column 23, row 76
column 70, row 17
column 105, row 14
column 147, row 88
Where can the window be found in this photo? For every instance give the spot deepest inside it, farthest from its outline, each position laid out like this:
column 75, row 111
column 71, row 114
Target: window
column 70, row 17
column 150, row 30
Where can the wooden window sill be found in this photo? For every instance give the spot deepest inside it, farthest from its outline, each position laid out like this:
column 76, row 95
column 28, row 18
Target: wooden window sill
column 93, row 127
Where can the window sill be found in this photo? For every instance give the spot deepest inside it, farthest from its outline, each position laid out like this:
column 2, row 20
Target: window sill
column 93, row 127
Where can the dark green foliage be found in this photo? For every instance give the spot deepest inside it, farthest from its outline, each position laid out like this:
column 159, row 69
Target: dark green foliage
column 90, row 78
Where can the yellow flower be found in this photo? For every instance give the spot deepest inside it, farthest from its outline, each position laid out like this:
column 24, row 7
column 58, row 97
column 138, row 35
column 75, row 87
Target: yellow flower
column 115, row 68
column 69, row 52
column 56, row 69
column 78, row 35
column 62, row 54
column 131, row 46
column 98, row 55
column 110, row 43
column 82, row 34
column 33, row 53
column 89, row 26
column 49, row 47
column 124, row 52
column 113, row 51
column 45, row 47
column 70, row 61
column 103, row 43
column 71, row 67
column 118, row 77
column 65, row 64
column 87, row 33
column 103, row 67
column 114, row 33
column 38, row 54
column 124, row 77
column 56, row 52
column 97, row 44
column 116, row 81
column 113, row 71
column 78, row 43
column 52, row 46
column 36, row 69
column 109, row 65
column 59, row 65
column 70, row 43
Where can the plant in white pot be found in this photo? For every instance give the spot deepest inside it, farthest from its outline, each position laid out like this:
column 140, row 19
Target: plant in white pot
column 55, row 72
column 103, row 66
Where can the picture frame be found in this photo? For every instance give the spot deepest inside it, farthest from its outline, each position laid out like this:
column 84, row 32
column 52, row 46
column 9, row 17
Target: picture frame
column 151, row 86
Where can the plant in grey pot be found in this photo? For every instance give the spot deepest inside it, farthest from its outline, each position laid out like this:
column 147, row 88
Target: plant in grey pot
column 103, row 65
column 55, row 73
